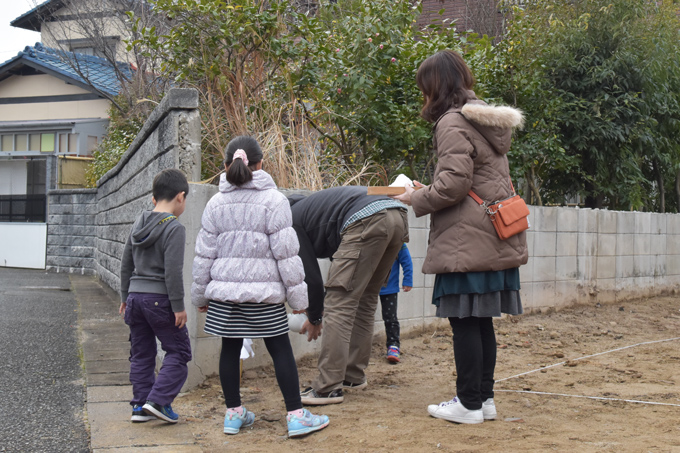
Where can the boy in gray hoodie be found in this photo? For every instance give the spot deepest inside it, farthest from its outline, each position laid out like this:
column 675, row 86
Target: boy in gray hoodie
column 152, row 294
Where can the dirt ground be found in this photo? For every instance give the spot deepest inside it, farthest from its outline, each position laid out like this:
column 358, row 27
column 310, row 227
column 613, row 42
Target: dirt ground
column 634, row 363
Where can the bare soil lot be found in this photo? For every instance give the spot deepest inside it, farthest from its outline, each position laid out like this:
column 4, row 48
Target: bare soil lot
column 625, row 351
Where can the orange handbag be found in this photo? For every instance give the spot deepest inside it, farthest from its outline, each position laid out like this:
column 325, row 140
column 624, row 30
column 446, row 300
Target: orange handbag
column 509, row 217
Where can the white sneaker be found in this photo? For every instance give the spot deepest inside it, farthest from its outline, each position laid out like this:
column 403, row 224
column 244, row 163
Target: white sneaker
column 454, row 411
column 489, row 409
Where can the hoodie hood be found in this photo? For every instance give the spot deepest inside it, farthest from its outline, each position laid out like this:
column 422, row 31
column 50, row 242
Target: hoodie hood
column 261, row 181
column 149, row 227
column 494, row 122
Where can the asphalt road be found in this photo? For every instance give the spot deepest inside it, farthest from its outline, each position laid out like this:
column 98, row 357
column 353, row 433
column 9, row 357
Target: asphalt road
column 42, row 389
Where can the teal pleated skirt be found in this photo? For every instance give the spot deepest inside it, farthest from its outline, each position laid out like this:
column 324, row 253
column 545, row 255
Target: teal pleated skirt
column 477, row 294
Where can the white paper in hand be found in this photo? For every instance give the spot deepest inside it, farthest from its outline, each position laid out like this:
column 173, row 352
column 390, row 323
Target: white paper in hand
column 295, row 321
column 402, row 181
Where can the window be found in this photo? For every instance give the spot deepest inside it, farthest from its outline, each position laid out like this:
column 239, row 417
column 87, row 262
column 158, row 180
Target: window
column 47, row 143
column 7, row 142
column 34, row 142
column 73, row 143
column 104, row 46
column 21, row 142
column 36, row 177
column 91, row 143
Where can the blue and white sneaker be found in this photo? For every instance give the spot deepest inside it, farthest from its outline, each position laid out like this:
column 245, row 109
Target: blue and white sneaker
column 139, row 416
column 233, row 422
column 308, row 423
column 163, row 412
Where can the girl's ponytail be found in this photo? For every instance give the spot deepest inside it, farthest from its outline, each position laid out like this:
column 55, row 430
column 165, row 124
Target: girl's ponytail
column 243, row 153
column 239, row 173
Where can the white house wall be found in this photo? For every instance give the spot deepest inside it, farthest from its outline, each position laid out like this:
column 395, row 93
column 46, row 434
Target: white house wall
column 61, row 30
column 46, row 85
column 37, row 85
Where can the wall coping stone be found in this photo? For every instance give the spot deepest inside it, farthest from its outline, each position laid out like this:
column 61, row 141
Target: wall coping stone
column 175, row 99
column 70, row 191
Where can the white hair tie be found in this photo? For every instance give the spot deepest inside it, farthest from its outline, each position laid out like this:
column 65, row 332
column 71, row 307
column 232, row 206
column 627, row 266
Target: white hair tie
column 240, row 154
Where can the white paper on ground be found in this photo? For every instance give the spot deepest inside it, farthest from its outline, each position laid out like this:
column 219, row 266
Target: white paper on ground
column 402, row 181
column 247, row 349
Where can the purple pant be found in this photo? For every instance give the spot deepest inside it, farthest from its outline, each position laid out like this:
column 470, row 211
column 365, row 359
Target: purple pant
column 150, row 316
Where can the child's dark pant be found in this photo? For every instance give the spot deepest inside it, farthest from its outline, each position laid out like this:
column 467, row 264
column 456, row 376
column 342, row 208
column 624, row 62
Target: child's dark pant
column 150, row 316
column 280, row 350
column 388, row 304
column 474, row 348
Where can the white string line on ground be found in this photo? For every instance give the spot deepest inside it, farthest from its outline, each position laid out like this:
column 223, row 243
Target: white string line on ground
column 589, row 397
column 587, row 357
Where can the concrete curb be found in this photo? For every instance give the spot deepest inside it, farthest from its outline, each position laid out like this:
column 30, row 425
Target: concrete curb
column 105, row 346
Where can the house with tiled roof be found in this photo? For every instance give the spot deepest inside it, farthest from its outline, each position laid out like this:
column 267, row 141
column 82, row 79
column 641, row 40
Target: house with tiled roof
column 83, row 26
column 54, row 103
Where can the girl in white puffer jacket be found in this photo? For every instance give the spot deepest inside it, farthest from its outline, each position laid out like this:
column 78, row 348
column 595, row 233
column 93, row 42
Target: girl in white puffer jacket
column 246, row 267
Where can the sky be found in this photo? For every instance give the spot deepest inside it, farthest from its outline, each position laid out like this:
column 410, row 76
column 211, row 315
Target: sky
column 13, row 40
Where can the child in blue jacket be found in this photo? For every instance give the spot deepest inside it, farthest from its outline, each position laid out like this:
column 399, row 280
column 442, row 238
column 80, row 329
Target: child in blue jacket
column 388, row 302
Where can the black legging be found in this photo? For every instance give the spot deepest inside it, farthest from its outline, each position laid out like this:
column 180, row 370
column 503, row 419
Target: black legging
column 284, row 365
column 474, row 347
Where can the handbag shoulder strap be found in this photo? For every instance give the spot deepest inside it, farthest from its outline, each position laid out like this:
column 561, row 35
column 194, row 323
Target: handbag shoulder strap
column 481, row 202
column 471, row 193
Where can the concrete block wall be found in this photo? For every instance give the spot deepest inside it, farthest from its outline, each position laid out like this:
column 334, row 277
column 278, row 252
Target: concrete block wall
column 590, row 256
column 575, row 256
column 170, row 138
column 71, row 231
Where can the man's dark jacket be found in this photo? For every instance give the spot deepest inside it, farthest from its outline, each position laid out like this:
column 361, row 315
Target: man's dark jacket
column 318, row 220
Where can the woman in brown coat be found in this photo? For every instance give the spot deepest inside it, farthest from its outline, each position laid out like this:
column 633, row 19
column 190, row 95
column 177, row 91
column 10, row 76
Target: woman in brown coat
column 477, row 274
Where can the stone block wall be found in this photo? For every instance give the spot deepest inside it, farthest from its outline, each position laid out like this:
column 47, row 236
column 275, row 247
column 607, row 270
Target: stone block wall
column 170, row 138
column 71, row 231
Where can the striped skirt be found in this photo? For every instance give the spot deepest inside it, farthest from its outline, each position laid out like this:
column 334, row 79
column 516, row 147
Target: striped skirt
column 246, row 320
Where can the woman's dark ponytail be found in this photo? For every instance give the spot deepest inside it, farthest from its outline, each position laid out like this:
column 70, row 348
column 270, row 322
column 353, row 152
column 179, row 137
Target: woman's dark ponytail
column 238, row 172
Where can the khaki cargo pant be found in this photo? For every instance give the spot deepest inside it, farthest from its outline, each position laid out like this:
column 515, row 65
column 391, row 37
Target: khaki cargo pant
column 359, row 268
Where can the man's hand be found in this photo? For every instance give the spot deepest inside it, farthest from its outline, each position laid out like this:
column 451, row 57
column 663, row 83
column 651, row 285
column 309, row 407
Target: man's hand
column 203, row 309
column 180, row 318
column 313, row 332
column 121, row 310
column 407, row 288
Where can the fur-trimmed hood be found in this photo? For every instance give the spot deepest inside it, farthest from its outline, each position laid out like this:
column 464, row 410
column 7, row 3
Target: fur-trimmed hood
column 471, row 145
column 494, row 122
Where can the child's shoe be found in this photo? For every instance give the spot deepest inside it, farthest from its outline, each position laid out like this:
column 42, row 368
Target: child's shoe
column 393, row 354
column 308, row 423
column 139, row 416
column 233, row 421
column 163, row 412
column 489, row 409
column 454, row 411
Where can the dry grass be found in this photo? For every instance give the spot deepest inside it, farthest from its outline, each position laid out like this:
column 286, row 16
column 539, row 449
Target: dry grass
column 239, row 103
